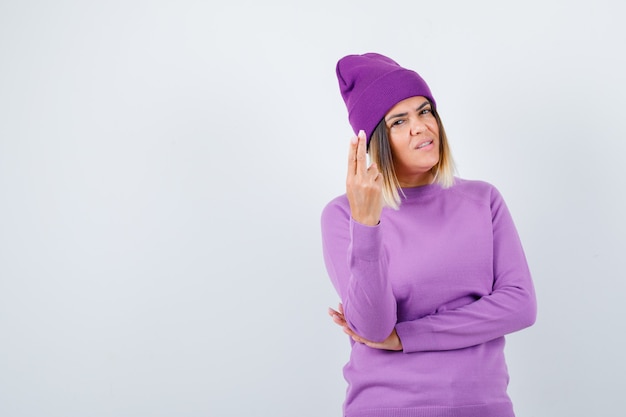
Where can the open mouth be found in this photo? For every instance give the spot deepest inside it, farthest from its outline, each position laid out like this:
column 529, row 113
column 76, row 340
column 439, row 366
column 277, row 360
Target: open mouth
column 423, row 145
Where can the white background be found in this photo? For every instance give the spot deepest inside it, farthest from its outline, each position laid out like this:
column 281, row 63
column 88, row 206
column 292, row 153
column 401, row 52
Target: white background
column 163, row 166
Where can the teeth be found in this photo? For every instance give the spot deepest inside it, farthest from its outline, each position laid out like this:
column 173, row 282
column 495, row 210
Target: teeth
column 425, row 144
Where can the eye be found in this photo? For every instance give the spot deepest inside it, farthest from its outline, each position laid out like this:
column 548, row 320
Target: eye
column 397, row 122
column 426, row 110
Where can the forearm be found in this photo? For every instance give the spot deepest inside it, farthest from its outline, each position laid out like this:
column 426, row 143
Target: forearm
column 369, row 303
column 503, row 312
column 357, row 266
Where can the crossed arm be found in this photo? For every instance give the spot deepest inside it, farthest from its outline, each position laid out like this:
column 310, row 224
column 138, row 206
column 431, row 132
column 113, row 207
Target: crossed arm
column 368, row 312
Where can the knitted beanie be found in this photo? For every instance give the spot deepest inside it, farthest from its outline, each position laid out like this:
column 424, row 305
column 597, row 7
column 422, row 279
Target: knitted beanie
column 371, row 84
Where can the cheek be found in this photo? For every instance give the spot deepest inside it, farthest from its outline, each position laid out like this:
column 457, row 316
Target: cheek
column 434, row 127
column 396, row 147
column 398, row 139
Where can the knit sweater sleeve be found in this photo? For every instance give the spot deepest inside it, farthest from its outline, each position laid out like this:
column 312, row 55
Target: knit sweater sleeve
column 511, row 306
column 356, row 262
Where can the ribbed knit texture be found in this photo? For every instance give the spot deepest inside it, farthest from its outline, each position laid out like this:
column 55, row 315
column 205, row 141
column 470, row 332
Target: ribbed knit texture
column 448, row 271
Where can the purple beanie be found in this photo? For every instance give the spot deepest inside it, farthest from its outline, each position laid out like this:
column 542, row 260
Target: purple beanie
column 371, row 84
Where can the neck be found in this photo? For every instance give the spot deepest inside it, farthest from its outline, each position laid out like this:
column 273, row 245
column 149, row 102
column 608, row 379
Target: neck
column 417, row 180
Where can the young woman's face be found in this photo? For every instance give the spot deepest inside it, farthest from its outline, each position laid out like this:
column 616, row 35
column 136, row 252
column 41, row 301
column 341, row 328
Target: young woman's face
column 414, row 138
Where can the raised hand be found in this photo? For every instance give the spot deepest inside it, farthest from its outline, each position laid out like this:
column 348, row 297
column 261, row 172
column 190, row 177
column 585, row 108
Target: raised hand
column 363, row 184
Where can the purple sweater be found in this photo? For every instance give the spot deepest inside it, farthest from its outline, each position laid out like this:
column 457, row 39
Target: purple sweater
column 448, row 271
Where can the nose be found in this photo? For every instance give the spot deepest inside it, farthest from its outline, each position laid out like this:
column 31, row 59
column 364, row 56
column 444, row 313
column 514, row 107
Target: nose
column 417, row 126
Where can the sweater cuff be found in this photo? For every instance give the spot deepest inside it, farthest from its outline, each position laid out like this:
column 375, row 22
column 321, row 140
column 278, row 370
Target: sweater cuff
column 366, row 240
column 416, row 336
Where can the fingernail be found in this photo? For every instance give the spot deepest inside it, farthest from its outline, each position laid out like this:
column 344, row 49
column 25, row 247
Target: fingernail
column 354, row 140
column 362, row 133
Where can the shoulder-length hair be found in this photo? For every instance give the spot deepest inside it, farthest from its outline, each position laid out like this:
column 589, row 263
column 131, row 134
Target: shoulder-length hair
column 380, row 153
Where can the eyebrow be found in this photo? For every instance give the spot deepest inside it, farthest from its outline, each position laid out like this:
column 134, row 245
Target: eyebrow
column 424, row 104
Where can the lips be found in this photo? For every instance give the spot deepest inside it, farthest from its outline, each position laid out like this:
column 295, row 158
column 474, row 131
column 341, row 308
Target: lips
column 424, row 144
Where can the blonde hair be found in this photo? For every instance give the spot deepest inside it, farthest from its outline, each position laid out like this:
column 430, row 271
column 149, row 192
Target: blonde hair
column 380, row 153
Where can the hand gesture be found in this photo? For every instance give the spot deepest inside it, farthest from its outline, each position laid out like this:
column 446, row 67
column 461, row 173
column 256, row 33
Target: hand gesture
column 363, row 184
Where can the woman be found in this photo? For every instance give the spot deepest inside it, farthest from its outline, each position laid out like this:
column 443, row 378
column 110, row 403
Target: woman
column 429, row 267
